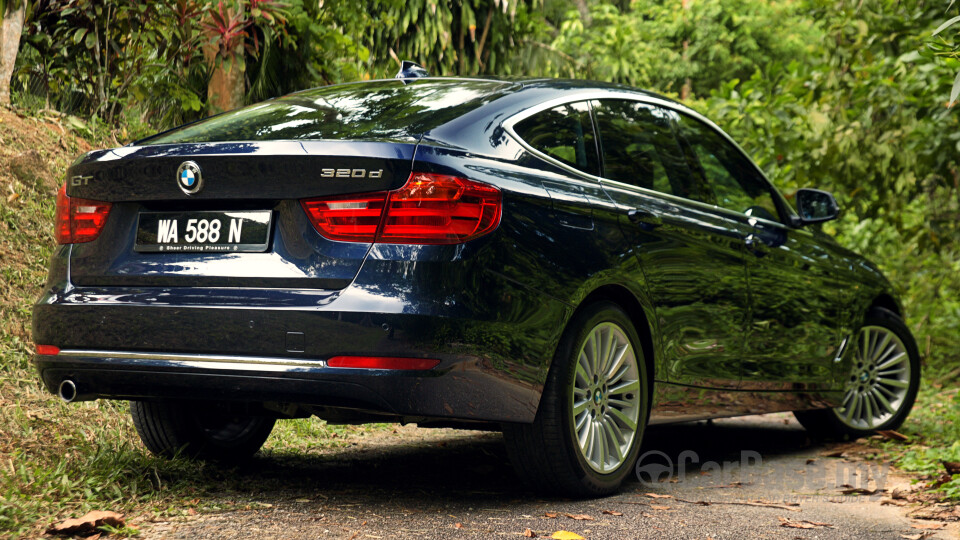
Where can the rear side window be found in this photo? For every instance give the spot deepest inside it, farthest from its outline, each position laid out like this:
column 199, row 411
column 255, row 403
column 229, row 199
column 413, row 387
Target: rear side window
column 564, row 133
column 375, row 110
column 639, row 147
column 735, row 180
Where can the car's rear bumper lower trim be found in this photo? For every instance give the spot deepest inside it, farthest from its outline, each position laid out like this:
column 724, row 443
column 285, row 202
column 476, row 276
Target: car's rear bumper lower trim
column 201, row 361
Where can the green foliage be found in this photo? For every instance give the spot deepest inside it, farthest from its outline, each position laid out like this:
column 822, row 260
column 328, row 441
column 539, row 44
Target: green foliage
column 661, row 45
column 934, row 429
column 97, row 58
column 467, row 38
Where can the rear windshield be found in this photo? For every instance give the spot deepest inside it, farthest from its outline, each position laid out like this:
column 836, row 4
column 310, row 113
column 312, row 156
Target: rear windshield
column 376, row 110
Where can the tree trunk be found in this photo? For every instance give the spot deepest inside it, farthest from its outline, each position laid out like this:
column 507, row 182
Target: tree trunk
column 10, row 31
column 226, row 88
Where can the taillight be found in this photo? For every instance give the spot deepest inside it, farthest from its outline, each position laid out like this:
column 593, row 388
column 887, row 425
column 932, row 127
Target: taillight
column 349, row 219
column 79, row 220
column 428, row 209
column 440, row 209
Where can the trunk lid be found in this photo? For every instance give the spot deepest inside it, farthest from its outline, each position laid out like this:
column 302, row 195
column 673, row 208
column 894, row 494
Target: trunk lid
column 237, row 178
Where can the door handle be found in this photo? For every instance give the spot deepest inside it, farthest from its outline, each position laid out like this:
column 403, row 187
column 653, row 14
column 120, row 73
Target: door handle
column 755, row 245
column 642, row 217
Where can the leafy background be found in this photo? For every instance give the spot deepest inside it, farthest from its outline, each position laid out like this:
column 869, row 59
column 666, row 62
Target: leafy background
column 851, row 96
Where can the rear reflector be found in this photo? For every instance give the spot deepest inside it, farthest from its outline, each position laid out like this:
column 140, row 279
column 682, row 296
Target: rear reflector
column 428, row 209
column 79, row 220
column 382, row 362
column 48, row 349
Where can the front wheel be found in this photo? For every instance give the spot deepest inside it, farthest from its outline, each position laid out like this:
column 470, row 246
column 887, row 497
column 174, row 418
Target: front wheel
column 178, row 429
column 881, row 386
column 586, row 436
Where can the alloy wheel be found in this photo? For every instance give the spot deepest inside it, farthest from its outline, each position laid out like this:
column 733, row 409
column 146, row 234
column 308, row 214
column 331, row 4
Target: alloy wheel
column 606, row 398
column 879, row 380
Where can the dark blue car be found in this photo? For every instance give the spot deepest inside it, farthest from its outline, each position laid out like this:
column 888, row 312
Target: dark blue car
column 564, row 261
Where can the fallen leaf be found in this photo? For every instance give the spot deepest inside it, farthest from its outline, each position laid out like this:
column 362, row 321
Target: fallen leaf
column 566, row 535
column 88, row 523
column 928, row 525
column 550, row 515
column 936, row 513
column 12, row 197
column 899, row 494
column 918, row 536
column 458, row 525
column 612, row 513
column 657, row 496
column 803, row 524
column 191, row 511
column 952, row 467
column 894, row 435
column 838, row 453
column 529, row 534
column 580, row 517
column 658, row 507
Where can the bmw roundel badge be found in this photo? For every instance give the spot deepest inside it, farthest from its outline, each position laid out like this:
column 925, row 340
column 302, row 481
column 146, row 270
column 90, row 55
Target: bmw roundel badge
column 189, row 178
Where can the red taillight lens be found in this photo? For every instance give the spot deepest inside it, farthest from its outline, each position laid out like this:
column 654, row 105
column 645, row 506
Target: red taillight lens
column 383, row 362
column 48, row 349
column 440, row 209
column 428, row 209
column 79, row 220
column 353, row 218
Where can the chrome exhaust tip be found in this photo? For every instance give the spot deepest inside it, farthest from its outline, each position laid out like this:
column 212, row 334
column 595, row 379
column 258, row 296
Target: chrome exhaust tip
column 68, row 391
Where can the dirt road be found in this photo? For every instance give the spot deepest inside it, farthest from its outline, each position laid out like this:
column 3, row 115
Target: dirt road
column 756, row 477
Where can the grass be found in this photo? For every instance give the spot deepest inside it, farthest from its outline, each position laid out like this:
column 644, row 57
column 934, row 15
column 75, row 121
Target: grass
column 934, row 431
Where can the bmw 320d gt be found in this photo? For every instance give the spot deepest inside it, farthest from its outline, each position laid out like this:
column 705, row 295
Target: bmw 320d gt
column 564, row 261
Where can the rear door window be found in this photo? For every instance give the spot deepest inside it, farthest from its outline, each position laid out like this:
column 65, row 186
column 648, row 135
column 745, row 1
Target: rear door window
column 564, row 133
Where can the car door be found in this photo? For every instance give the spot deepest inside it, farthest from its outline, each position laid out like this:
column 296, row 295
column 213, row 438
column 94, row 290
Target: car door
column 792, row 337
column 692, row 256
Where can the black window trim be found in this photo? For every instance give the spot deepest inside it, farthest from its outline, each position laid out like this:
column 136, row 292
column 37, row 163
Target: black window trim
column 590, row 95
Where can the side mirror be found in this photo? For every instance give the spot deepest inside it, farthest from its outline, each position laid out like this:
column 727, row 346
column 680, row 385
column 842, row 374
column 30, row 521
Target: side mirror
column 816, row 206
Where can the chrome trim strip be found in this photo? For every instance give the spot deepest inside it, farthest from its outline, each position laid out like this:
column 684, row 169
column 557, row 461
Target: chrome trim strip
column 509, row 123
column 697, row 204
column 217, row 360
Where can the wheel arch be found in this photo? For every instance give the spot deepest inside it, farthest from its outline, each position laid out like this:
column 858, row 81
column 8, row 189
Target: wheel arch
column 640, row 315
column 887, row 301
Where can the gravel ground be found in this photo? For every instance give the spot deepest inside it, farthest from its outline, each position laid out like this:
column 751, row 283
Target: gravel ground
column 737, row 478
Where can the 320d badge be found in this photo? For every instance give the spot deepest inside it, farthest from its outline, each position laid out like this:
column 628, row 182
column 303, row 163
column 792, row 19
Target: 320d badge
column 564, row 261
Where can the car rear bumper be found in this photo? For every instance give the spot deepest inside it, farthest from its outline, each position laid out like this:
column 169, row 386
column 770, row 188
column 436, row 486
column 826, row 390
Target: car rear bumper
column 459, row 388
column 494, row 339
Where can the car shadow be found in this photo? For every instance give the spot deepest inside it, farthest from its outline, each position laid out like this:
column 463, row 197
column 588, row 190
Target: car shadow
column 471, row 468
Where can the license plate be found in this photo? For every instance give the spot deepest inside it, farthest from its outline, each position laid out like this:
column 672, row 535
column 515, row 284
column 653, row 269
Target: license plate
column 240, row 231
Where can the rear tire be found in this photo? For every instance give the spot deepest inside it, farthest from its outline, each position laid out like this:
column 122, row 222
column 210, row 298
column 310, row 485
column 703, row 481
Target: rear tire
column 586, row 436
column 170, row 429
column 880, row 389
